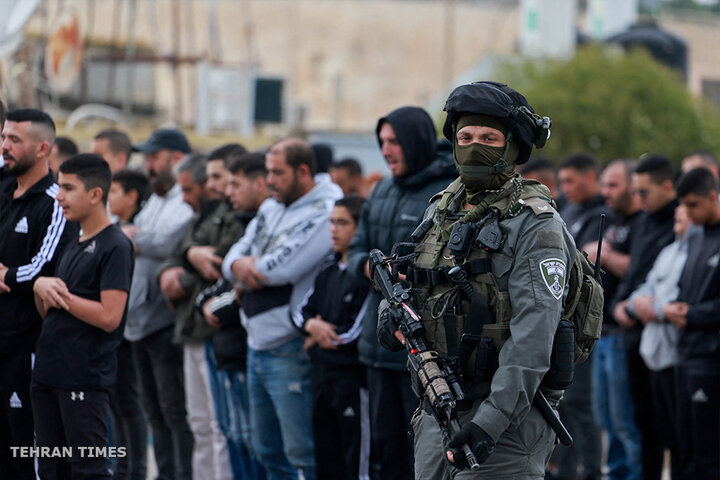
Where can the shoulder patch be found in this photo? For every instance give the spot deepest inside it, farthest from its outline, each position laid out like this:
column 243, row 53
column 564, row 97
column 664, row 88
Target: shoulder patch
column 553, row 274
column 539, row 206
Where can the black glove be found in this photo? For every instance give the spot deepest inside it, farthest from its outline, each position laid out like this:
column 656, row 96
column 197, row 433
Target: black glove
column 479, row 442
column 386, row 327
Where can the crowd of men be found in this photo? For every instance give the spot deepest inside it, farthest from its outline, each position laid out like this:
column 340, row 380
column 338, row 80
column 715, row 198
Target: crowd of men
column 246, row 338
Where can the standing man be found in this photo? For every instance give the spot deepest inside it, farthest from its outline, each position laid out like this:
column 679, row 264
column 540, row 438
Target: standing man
column 519, row 275
column 210, row 455
column 696, row 315
column 156, row 232
column 653, row 183
column 33, row 232
column 114, row 146
column 578, row 176
column 246, row 190
column 611, row 400
column 274, row 264
column 408, row 141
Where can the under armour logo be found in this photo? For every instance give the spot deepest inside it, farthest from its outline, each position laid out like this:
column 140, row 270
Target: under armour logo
column 700, row 396
column 295, row 387
column 15, row 401
column 90, row 248
column 77, row 396
column 22, row 226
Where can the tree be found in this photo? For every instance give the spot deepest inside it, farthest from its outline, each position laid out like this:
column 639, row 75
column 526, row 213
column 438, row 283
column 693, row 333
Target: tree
column 616, row 105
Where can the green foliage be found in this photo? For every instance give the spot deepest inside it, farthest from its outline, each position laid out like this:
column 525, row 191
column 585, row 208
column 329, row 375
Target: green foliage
column 615, row 105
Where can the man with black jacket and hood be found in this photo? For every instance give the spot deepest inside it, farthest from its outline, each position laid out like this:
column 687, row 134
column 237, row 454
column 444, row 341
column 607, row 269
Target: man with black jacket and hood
column 33, row 232
column 653, row 231
column 408, row 141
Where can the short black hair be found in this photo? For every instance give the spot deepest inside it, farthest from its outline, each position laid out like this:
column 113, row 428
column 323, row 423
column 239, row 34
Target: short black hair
column 699, row 181
column 582, row 162
column 3, row 112
column 628, row 164
column 118, row 141
column 130, row 180
column 226, row 153
column 66, row 146
column 354, row 204
column 92, row 170
column 537, row 164
column 323, row 156
column 252, row 165
column 350, row 164
column 658, row 167
column 35, row 116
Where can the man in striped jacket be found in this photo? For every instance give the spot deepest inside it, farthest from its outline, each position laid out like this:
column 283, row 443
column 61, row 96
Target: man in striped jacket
column 33, row 232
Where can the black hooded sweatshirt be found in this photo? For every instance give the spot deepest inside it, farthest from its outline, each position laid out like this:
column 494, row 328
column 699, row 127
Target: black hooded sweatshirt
column 394, row 210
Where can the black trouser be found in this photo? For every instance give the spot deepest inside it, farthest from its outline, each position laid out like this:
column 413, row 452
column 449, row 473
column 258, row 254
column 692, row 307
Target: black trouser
column 159, row 364
column 75, row 419
column 16, row 417
column 130, row 422
column 662, row 384
column 698, row 418
column 577, row 414
column 392, row 403
column 341, row 422
column 642, row 395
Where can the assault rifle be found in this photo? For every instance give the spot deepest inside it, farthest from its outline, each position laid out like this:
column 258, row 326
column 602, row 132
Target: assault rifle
column 435, row 383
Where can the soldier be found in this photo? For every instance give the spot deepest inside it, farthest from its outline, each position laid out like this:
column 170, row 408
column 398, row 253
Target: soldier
column 517, row 259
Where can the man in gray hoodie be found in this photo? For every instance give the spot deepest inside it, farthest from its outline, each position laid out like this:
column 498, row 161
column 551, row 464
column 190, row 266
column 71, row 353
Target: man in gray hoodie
column 274, row 265
column 156, row 232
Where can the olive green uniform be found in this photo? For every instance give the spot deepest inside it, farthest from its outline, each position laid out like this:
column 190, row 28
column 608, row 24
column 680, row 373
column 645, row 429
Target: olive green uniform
column 529, row 272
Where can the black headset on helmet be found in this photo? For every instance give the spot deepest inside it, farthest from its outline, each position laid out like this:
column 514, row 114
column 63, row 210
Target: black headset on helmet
column 507, row 105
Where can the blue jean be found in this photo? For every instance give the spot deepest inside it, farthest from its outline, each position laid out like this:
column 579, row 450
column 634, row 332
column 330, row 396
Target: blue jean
column 614, row 409
column 280, row 388
column 230, row 396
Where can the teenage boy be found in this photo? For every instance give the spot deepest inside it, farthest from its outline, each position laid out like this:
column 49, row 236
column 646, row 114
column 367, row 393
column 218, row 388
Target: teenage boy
column 128, row 192
column 84, row 310
column 695, row 314
column 332, row 317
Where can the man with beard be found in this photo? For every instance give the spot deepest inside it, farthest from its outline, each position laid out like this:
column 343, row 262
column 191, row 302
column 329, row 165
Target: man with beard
column 157, row 231
column 611, row 400
column 33, row 232
column 408, row 141
column 275, row 264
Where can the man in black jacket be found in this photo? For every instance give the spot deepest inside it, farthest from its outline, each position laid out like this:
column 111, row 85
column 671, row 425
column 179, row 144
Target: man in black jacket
column 653, row 183
column 33, row 232
column 408, row 141
column 696, row 315
column 578, row 176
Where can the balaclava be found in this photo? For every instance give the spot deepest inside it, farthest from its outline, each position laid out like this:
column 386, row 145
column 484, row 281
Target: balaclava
column 483, row 167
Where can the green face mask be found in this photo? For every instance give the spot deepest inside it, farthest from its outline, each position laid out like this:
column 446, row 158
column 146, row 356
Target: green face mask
column 479, row 169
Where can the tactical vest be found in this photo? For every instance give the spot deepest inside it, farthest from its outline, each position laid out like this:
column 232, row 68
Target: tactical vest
column 444, row 310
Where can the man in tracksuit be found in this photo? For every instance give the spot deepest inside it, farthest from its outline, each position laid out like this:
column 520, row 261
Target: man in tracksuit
column 33, row 232
column 274, row 264
column 696, row 315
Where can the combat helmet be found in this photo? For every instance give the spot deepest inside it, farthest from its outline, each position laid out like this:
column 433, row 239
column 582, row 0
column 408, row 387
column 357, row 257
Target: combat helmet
column 507, row 105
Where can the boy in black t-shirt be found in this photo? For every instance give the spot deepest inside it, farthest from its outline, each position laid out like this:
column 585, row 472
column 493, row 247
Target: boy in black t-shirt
column 332, row 318
column 84, row 309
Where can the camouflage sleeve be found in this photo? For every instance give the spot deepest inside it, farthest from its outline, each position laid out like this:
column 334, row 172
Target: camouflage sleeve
column 535, row 262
